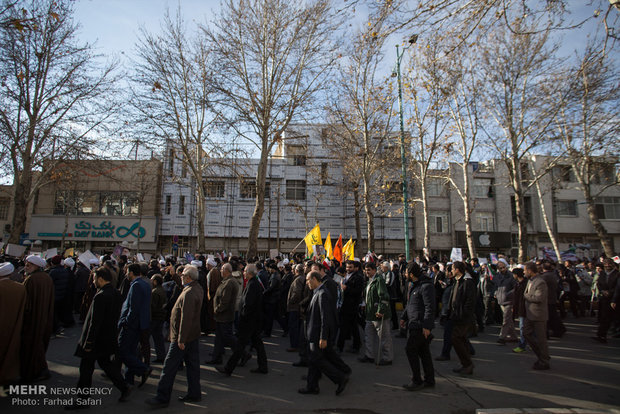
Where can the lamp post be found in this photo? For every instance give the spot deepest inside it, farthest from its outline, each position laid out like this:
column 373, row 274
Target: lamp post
column 403, row 161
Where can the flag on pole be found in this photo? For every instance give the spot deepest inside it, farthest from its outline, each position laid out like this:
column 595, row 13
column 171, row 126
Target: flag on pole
column 337, row 253
column 313, row 238
column 328, row 247
column 348, row 251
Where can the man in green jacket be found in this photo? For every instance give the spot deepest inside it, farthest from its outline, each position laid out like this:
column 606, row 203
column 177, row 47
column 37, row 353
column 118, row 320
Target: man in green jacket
column 377, row 331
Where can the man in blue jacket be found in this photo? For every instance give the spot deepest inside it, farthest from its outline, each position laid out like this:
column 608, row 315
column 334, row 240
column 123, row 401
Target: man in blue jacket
column 419, row 319
column 135, row 317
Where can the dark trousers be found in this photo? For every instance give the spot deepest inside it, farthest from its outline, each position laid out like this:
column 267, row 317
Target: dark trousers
column 128, row 340
column 175, row 356
column 321, row 361
column 223, row 337
column 447, row 340
column 349, row 328
column 460, row 332
column 248, row 337
column 157, row 333
column 572, row 300
column 112, row 369
column 607, row 316
column 270, row 310
column 303, row 343
column 535, row 333
column 417, row 349
column 294, row 328
column 554, row 324
column 489, row 308
column 394, row 314
column 145, row 346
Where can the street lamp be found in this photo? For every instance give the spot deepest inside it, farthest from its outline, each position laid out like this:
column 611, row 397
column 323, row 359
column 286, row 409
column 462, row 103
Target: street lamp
column 399, row 56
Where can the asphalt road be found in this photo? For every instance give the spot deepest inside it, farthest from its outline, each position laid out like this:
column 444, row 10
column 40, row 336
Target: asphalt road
column 584, row 375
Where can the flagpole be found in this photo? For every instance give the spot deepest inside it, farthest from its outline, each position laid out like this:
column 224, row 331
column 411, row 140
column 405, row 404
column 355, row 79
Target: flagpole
column 295, row 248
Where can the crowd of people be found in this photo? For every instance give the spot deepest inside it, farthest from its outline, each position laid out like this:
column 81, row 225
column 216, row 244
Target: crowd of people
column 319, row 304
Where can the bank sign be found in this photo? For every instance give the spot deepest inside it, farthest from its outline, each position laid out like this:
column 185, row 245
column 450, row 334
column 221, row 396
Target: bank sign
column 93, row 228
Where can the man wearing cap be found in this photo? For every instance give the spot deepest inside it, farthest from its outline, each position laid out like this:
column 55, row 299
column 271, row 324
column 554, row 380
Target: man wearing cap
column 60, row 277
column 12, row 301
column 135, row 317
column 38, row 320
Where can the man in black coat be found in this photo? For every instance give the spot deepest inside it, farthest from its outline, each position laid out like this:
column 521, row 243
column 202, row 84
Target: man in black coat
column 607, row 283
column 352, row 287
column 250, row 324
column 321, row 333
column 461, row 313
column 419, row 319
column 98, row 341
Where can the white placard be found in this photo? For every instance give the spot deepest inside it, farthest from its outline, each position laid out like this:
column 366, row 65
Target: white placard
column 139, row 257
column 15, row 250
column 51, row 253
column 86, row 257
column 483, row 260
column 456, row 255
column 273, row 253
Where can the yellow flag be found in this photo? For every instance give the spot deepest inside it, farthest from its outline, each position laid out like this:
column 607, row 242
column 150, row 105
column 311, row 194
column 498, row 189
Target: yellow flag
column 69, row 252
column 348, row 250
column 328, row 247
column 313, row 238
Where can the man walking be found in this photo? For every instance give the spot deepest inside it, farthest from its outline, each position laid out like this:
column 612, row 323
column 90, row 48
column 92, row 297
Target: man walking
column 419, row 319
column 321, row 333
column 98, row 341
column 505, row 283
column 184, row 342
column 352, row 287
column 461, row 313
column 224, row 303
column 12, row 301
column 135, row 317
column 535, row 325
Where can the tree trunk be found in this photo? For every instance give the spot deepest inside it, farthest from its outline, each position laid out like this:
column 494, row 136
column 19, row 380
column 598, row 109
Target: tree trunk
column 200, row 217
column 471, row 246
column 370, row 223
column 601, row 232
column 259, row 207
column 358, row 210
column 21, row 196
column 427, row 230
column 520, row 211
column 545, row 216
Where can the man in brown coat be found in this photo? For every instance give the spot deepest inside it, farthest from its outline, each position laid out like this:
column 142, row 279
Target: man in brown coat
column 38, row 320
column 535, row 325
column 12, row 300
column 184, row 342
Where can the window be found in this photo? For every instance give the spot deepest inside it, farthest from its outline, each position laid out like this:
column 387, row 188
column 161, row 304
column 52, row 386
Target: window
column 567, row 208
column 608, row 208
column 563, row 173
column 438, row 222
column 171, row 162
column 182, row 205
column 323, row 175
column 393, row 192
column 296, row 155
column 167, row 205
column 435, row 187
column 483, row 188
column 183, row 170
column 105, row 203
column 214, row 189
column 485, row 221
column 247, row 189
column 295, row 189
column 4, row 208
column 527, row 201
column 603, row 174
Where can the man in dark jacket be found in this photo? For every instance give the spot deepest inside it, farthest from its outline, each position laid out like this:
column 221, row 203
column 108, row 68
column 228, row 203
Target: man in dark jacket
column 250, row 324
column 60, row 276
column 224, row 303
column 352, row 287
column 550, row 276
column 184, row 342
column 294, row 298
column 159, row 312
column 505, row 283
column 461, row 313
column 518, row 305
column 321, row 333
column 607, row 283
column 271, row 298
column 99, row 333
column 419, row 319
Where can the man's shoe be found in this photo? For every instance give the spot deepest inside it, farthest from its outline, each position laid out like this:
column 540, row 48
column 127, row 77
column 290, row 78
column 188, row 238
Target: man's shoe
column 259, row 371
column 539, row 366
column 187, row 398
column 464, row 370
column 155, row 403
column 413, row 386
column 501, row 341
column 599, row 339
column 308, row 391
column 125, row 395
column 214, row 361
column 365, row 359
column 300, row 364
column 442, row 358
column 244, row 359
column 383, row 362
column 145, row 376
column 342, row 385
column 518, row 350
column 292, row 349
column 223, row 370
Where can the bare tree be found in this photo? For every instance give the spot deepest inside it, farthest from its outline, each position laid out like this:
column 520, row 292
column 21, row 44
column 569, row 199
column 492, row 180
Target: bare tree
column 424, row 89
column 54, row 98
column 272, row 56
column 588, row 128
column 520, row 75
column 361, row 117
column 173, row 95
